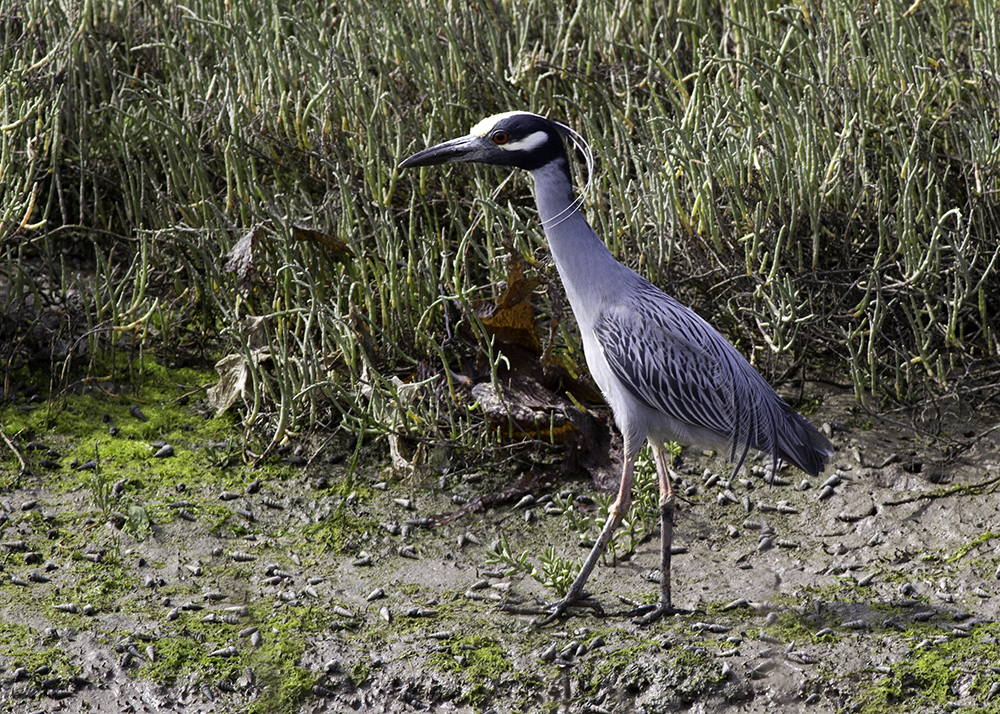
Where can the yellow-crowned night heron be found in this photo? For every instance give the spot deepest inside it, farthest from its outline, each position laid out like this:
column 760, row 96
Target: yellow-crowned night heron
column 666, row 373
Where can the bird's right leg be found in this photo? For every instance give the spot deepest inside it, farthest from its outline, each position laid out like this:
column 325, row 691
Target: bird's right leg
column 617, row 513
column 665, row 605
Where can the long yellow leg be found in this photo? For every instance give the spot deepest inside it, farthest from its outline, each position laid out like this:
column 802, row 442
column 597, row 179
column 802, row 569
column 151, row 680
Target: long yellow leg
column 665, row 606
column 618, row 511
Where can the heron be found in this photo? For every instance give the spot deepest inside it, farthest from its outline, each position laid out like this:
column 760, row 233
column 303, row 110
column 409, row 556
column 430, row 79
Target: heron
column 666, row 373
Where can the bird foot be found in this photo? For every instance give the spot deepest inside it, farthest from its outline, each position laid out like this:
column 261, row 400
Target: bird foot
column 648, row 614
column 559, row 608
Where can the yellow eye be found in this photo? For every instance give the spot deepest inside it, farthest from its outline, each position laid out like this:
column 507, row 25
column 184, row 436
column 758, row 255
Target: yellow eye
column 500, row 137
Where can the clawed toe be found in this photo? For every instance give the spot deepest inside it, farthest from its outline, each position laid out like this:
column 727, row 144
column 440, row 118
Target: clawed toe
column 559, row 608
column 649, row 614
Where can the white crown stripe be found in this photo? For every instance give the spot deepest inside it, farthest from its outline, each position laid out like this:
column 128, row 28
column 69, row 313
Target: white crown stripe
column 483, row 127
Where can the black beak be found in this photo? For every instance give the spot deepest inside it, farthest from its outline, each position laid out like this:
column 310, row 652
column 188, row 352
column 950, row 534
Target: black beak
column 464, row 148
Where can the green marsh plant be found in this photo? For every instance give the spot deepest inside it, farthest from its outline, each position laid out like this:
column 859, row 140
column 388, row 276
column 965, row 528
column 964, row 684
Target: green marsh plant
column 818, row 179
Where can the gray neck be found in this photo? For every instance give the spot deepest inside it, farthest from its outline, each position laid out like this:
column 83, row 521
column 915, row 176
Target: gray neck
column 586, row 266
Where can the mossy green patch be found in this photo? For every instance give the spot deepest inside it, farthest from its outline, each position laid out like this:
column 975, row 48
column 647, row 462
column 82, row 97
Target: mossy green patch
column 480, row 660
column 478, row 657
column 790, row 627
column 614, row 664
column 935, row 676
column 343, row 533
column 20, row 650
column 121, row 434
column 281, row 682
column 974, row 543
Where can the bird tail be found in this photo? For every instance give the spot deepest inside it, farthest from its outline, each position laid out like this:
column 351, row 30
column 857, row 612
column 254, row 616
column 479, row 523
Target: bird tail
column 799, row 443
column 765, row 422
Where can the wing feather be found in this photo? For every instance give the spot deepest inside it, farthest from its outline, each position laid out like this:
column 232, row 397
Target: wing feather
column 671, row 360
column 666, row 367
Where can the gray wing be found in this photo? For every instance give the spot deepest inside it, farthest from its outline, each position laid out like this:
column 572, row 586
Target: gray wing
column 659, row 354
column 673, row 361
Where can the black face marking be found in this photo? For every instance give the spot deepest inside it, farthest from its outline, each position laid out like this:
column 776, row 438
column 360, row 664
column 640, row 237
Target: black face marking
column 529, row 141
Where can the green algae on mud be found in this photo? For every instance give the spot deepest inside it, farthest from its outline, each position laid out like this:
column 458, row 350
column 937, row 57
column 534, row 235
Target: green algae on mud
column 934, row 674
column 480, row 660
column 217, row 599
column 83, row 569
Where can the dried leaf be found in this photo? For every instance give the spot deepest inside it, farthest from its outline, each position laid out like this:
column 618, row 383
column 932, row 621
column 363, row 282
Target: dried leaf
column 233, row 374
column 241, row 258
column 512, row 319
column 234, row 377
column 335, row 244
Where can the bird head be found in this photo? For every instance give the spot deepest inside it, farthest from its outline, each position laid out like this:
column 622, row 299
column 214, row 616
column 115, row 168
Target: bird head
column 520, row 139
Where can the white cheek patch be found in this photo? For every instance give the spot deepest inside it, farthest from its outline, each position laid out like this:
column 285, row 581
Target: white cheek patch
column 528, row 143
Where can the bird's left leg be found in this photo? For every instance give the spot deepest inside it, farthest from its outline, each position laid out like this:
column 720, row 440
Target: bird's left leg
column 665, row 606
column 616, row 515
